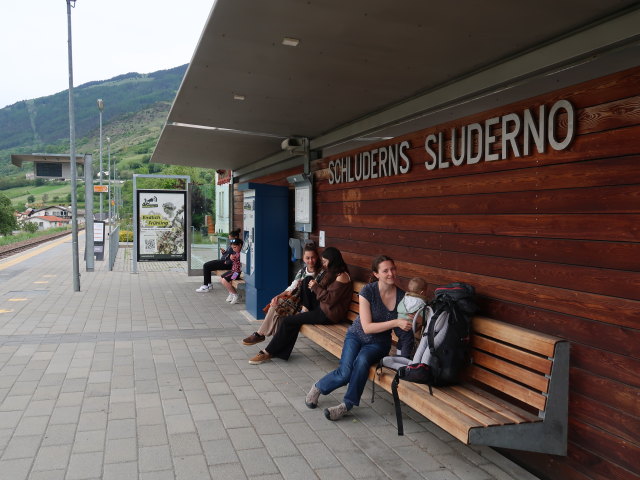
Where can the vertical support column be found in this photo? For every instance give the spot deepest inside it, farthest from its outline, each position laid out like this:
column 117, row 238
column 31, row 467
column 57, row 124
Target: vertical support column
column 88, row 213
column 134, row 254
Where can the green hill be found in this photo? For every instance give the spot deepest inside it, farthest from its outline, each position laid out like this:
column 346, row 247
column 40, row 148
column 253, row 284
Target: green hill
column 44, row 121
column 135, row 109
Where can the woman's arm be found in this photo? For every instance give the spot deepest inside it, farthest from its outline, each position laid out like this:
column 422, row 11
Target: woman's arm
column 369, row 326
column 327, row 295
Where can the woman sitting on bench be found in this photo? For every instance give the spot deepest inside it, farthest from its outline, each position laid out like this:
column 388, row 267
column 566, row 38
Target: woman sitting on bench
column 271, row 322
column 333, row 289
column 368, row 339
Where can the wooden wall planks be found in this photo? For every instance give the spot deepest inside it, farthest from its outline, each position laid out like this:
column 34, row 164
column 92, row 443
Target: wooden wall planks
column 551, row 241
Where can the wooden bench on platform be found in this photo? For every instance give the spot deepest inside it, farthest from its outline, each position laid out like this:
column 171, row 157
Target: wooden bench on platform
column 514, row 394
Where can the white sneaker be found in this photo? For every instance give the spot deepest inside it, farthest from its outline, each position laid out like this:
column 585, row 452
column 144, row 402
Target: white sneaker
column 204, row 288
column 230, row 297
column 234, row 300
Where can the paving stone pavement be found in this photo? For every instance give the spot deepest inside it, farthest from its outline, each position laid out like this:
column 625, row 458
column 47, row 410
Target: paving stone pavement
column 139, row 377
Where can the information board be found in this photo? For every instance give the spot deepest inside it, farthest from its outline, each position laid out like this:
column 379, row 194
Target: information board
column 162, row 234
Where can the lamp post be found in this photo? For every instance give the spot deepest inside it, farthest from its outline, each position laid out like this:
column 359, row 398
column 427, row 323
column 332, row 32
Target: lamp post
column 72, row 148
column 109, row 181
column 100, row 108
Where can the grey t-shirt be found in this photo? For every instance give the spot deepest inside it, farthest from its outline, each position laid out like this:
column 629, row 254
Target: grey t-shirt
column 379, row 313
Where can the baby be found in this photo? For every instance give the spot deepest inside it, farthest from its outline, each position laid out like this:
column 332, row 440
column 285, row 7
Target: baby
column 412, row 302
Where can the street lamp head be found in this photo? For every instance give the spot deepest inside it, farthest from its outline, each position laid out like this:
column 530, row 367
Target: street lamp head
column 100, row 104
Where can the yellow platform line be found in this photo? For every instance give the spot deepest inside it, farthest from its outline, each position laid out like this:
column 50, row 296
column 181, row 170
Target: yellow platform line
column 32, row 253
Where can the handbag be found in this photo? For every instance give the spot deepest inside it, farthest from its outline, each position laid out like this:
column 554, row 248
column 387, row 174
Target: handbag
column 290, row 304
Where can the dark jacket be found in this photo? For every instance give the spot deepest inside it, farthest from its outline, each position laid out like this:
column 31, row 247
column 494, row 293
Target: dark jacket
column 334, row 298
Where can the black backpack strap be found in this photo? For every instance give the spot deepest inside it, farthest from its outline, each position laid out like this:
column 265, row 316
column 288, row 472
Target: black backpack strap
column 431, row 331
column 396, row 403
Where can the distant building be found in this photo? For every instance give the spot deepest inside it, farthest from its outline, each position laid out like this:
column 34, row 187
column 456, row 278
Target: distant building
column 223, row 203
column 46, row 222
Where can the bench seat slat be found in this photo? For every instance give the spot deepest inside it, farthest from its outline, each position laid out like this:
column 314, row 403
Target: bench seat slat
column 511, row 371
column 321, row 338
column 515, row 413
column 533, row 341
column 521, row 357
column 438, row 411
column 487, row 412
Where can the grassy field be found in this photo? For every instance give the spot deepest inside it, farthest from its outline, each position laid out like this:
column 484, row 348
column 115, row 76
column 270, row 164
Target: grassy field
column 19, row 195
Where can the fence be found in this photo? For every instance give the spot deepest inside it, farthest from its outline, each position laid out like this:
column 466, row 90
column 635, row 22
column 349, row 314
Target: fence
column 114, row 244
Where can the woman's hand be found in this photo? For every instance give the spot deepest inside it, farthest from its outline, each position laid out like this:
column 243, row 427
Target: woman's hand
column 403, row 324
column 304, row 309
column 312, row 283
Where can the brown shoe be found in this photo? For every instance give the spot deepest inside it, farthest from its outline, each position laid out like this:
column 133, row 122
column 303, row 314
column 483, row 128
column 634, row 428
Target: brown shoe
column 261, row 357
column 252, row 339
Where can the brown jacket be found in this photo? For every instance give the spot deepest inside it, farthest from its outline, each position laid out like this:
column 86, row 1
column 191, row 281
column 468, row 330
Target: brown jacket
column 334, row 299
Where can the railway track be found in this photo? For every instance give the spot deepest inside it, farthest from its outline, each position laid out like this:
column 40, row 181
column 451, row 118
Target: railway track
column 12, row 249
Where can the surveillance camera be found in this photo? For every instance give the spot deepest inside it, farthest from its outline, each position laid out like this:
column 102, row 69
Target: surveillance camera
column 292, row 143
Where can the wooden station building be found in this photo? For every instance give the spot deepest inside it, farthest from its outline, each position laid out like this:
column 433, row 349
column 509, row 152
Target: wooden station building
column 494, row 143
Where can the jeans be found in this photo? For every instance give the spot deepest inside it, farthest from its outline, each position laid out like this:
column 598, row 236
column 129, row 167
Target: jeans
column 355, row 361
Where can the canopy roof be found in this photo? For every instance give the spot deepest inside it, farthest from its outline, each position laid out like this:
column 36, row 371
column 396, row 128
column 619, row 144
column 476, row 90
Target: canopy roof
column 365, row 69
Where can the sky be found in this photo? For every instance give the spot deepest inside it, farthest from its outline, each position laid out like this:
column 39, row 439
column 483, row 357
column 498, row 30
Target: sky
column 109, row 38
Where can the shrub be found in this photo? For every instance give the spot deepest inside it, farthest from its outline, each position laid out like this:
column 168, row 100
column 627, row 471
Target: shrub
column 126, row 236
column 30, row 227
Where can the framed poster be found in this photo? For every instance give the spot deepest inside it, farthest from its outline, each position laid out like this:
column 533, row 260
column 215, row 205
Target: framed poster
column 162, row 233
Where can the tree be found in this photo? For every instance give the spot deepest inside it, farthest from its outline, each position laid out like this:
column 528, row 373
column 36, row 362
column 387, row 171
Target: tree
column 31, row 198
column 8, row 222
column 45, row 198
column 30, row 227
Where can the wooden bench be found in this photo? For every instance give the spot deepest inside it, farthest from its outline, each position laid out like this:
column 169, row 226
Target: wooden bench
column 514, row 394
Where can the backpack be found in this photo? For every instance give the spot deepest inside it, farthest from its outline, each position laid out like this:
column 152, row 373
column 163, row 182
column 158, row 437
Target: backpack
column 443, row 351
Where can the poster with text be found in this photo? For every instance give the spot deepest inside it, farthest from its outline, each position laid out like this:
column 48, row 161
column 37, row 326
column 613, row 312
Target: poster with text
column 161, row 225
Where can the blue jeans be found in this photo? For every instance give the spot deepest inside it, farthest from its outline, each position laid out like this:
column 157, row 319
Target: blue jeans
column 355, row 361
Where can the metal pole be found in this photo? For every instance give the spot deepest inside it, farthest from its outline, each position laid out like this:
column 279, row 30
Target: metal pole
column 72, row 148
column 89, row 255
column 100, row 107
column 109, row 181
column 134, row 253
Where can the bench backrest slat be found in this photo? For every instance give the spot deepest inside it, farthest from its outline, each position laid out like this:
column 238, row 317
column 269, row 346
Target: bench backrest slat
column 511, row 371
column 512, row 334
column 508, row 387
column 515, row 355
column 512, row 360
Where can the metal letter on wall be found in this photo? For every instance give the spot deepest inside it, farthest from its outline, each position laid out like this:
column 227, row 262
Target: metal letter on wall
column 161, row 225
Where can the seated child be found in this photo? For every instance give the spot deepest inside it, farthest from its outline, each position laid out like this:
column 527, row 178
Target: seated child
column 235, row 272
column 412, row 302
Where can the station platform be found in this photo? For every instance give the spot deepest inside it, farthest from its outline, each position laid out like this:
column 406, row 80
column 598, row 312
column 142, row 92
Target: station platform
column 137, row 376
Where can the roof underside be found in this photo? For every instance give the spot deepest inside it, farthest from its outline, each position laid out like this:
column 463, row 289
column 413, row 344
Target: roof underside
column 363, row 67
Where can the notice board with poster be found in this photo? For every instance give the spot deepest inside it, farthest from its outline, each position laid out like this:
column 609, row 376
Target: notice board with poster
column 161, row 223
